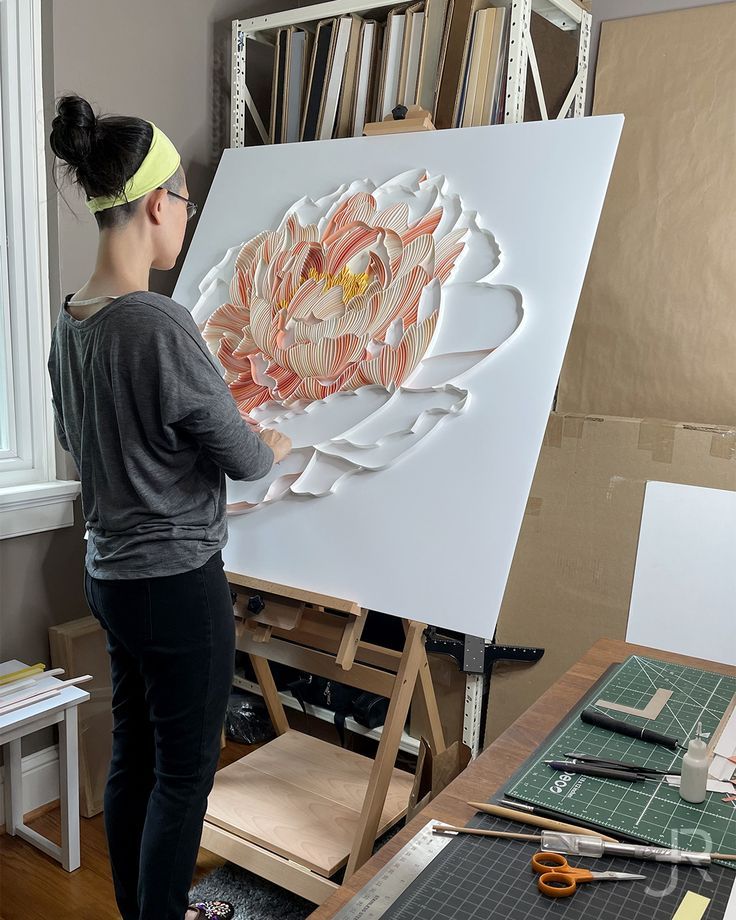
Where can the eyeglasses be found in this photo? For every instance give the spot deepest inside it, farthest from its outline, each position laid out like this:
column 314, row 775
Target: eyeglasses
column 191, row 206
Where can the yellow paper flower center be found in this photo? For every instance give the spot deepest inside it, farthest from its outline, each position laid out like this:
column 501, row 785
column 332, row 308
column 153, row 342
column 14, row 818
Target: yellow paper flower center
column 350, row 283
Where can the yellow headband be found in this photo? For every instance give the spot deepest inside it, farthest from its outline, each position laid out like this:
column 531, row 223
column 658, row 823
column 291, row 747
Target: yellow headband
column 159, row 164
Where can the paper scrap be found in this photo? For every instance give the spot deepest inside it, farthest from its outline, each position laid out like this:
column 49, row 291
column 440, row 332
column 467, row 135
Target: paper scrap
column 692, row 907
column 731, row 906
column 713, row 785
column 721, row 767
column 726, row 746
column 653, row 708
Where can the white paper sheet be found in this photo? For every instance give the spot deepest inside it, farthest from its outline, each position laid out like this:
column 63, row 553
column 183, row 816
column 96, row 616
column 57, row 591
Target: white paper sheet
column 432, row 536
column 684, row 594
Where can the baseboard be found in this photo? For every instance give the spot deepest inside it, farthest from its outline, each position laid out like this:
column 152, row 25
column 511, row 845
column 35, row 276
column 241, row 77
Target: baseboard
column 40, row 780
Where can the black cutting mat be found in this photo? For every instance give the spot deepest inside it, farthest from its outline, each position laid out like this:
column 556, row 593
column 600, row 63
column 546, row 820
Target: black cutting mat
column 484, row 877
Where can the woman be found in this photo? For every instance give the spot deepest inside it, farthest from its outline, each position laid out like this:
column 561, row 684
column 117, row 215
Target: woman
column 153, row 430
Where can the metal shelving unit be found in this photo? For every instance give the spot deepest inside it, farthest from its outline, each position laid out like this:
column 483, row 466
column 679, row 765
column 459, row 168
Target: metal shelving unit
column 565, row 14
column 408, row 744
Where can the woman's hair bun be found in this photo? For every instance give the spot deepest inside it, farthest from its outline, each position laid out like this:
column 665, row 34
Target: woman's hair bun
column 73, row 131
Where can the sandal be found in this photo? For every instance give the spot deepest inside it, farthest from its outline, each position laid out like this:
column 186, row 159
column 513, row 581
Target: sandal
column 213, row 910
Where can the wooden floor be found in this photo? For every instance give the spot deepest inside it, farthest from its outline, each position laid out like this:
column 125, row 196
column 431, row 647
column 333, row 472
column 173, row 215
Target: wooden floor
column 35, row 887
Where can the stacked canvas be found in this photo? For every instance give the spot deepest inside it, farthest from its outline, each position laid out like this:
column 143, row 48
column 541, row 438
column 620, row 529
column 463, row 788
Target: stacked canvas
column 444, row 55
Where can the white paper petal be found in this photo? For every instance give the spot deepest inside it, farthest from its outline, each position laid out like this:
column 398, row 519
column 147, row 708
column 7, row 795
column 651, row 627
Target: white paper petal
column 389, row 449
column 279, row 488
column 481, row 255
column 328, row 418
column 429, row 300
column 400, row 414
column 433, row 372
column 475, row 317
column 452, row 209
column 255, row 492
column 310, row 211
column 409, row 180
column 355, row 188
column 401, row 424
column 214, row 288
column 322, row 475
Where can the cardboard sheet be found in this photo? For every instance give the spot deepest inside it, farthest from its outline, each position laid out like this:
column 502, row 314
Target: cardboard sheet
column 655, row 334
column 571, row 578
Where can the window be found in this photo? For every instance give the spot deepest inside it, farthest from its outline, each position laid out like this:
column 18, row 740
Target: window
column 31, row 499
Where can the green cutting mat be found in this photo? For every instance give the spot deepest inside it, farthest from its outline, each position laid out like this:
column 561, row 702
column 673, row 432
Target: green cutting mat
column 651, row 811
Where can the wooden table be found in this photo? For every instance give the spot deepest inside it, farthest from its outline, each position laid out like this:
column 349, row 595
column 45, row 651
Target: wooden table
column 499, row 761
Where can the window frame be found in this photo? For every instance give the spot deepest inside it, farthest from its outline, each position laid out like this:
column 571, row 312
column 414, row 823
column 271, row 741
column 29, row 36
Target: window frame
column 31, row 498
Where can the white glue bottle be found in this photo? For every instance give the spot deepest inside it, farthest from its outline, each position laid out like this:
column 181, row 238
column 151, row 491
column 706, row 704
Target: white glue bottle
column 694, row 779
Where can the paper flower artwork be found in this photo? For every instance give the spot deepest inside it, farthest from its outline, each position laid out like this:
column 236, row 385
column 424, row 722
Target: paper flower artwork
column 347, row 326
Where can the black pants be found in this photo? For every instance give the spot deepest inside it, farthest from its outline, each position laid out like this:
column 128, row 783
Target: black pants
column 172, row 646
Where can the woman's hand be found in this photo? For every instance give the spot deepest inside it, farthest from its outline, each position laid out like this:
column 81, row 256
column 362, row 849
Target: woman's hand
column 279, row 443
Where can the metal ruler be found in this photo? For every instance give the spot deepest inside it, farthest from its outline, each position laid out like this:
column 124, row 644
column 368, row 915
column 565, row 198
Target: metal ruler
column 380, row 893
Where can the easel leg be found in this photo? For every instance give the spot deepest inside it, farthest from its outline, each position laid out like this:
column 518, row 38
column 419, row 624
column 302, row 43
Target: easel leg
column 388, row 748
column 428, row 698
column 270, row 694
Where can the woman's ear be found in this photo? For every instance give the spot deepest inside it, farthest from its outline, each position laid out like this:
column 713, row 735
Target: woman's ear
column 155, row 205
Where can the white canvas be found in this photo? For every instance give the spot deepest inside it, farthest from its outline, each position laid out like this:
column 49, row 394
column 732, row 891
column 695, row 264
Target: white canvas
column 429, row 531
column 685, row 578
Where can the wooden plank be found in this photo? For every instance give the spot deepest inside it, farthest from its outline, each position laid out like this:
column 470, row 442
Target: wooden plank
column 281, row 615
column 270, row 694
column 313, row 829
column 267, row 865
column 388, row 748
column 329, row 771
column 259, row 586
column 305, row 659
column 79, row 647
column 350, row 639
column 324, row 631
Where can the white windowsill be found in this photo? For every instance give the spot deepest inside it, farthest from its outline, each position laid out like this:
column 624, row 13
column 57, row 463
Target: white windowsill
column 37, row 507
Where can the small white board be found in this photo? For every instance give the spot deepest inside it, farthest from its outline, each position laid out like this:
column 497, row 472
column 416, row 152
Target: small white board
column 684, row 594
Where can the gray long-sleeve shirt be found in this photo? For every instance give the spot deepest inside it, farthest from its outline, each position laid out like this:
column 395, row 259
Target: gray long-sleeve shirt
column 152, row 428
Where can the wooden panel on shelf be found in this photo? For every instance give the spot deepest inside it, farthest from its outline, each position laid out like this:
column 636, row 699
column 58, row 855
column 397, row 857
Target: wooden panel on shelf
column 79, row 647
column 284, row 814
column 417, row 119
column 322, row 766
column 271, row 866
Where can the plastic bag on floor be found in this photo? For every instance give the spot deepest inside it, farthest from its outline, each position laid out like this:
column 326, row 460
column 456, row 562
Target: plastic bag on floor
column 247, row 720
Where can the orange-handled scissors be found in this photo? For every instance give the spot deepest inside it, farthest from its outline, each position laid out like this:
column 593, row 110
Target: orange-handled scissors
column 558, row 879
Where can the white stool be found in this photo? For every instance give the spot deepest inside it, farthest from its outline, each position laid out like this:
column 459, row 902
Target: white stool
column 59, row 710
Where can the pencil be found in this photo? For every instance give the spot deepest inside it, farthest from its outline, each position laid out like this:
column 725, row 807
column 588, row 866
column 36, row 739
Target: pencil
column 524, row 817
column 481, row 832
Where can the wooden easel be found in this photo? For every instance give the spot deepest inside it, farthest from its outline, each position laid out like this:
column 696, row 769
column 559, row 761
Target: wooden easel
column 298, row 809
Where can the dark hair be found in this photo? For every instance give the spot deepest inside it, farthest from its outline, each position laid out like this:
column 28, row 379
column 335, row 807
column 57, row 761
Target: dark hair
column 102, row 152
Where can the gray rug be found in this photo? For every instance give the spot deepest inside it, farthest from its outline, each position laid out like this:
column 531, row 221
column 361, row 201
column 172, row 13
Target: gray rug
column 256, row 899
column 252, row 896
